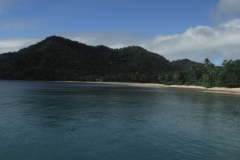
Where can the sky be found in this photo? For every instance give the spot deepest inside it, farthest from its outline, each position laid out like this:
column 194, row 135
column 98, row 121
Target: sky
column 175, row 29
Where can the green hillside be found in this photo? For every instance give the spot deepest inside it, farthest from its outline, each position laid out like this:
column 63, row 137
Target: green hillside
column 185, row 65
column 57, row 58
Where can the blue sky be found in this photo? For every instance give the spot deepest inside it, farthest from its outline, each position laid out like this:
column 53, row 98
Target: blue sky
column 176, row 29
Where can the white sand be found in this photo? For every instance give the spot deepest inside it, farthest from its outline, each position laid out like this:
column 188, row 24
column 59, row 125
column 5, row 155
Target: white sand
column 155, row 85
column 198, row 88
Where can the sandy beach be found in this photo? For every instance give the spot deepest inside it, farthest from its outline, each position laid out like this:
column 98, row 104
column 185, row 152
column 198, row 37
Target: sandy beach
column 220, row 90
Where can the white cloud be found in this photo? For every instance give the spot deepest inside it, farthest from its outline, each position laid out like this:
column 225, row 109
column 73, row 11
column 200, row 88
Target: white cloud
column 15, row 44
column 221, row 42
column 226, row 9
column 218, row 43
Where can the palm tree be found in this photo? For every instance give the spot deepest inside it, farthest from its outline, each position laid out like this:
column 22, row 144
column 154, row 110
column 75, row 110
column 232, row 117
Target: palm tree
column 209, row 66
column 195, row 72
column 207, row 62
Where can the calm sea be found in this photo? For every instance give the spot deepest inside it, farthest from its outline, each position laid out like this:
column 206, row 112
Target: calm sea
column 53, row 120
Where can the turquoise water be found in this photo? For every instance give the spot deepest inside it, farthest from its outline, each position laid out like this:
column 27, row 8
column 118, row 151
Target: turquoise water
column 50, row 120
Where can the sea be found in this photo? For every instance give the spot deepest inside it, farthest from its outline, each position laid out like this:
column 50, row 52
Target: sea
column 62, row 121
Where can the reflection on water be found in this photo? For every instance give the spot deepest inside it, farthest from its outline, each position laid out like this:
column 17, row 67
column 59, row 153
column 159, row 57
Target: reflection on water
column 49, row 120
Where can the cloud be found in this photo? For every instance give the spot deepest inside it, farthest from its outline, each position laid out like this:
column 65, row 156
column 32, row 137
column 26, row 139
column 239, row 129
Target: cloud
column 226, row 9
column 197, row 43
column 218, row 43
column 221, row 42
column 15, row 44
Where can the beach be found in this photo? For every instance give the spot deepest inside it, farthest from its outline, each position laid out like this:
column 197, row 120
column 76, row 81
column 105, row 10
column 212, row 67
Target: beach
column 220, row 90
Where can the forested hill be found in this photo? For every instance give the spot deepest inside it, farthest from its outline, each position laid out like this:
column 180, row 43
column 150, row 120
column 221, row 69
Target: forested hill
column 60, row 59
column 57, row 58
column 184, row 65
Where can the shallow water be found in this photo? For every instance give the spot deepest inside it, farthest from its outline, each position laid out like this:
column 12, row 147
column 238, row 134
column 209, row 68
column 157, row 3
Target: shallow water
column 50, row 120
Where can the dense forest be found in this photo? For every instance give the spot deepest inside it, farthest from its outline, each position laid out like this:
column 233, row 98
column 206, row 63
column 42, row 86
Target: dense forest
column 60, row 59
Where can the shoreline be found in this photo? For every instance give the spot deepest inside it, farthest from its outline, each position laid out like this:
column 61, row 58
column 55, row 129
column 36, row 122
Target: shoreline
column 219, row 90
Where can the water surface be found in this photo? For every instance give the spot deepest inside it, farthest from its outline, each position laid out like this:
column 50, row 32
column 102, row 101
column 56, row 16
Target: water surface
column 50, row 120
